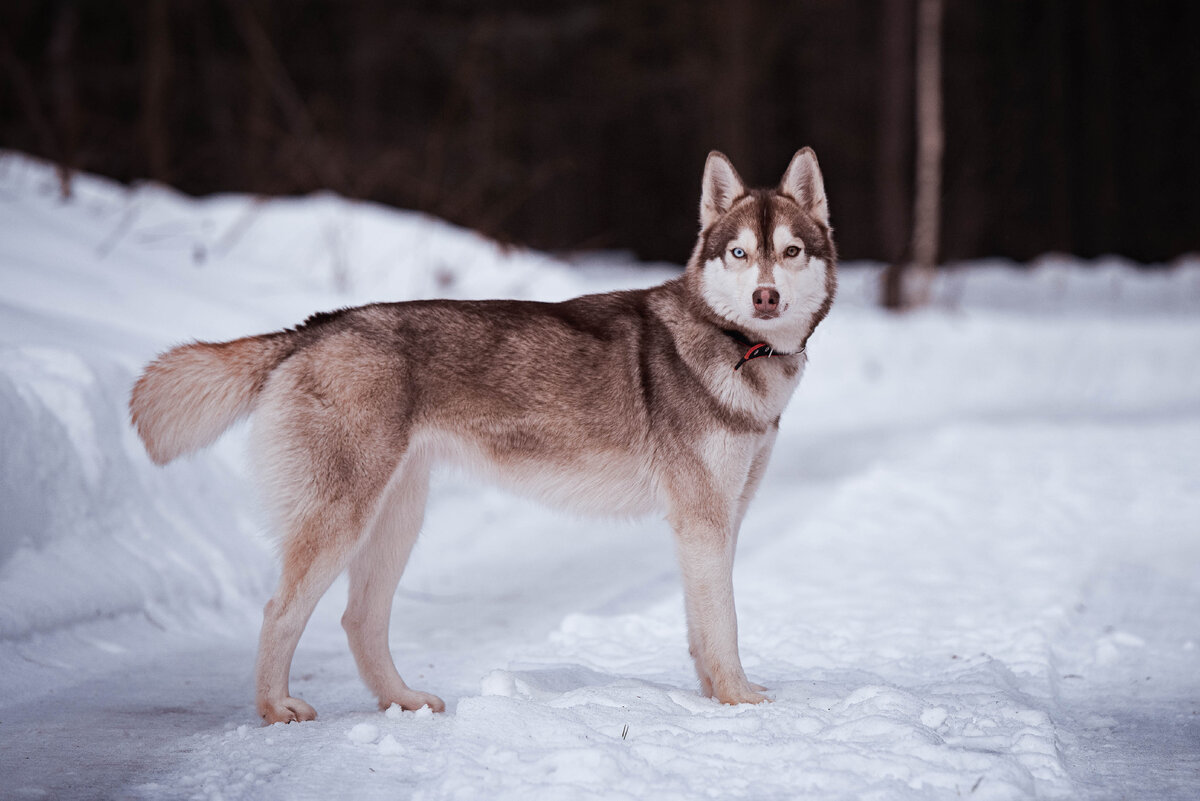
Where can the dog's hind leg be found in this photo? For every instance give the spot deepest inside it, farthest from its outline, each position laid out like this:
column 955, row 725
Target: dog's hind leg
column 329, row 433
column 314, row 553
column 374, row 573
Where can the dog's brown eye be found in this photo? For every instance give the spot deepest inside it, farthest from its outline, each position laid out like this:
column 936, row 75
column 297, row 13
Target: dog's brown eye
column 792, row 252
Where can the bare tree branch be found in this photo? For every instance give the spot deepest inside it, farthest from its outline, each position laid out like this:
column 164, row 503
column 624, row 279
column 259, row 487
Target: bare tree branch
column 287, row 96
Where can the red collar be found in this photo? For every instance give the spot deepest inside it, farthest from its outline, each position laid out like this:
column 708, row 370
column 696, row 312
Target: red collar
column 756, row 350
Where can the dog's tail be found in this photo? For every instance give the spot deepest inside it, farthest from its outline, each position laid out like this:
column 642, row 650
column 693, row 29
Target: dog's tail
column 188, row 396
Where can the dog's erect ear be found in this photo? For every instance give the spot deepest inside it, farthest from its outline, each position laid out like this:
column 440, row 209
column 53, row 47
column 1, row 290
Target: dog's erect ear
column 803, row 182
column 722, row 186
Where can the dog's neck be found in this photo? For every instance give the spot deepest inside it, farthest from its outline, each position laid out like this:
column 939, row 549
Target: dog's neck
column 754, row 349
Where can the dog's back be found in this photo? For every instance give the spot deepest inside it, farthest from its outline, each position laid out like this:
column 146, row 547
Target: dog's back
column 568, row 401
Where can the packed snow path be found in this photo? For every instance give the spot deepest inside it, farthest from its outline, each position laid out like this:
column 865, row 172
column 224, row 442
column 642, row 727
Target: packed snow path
column 973, row 569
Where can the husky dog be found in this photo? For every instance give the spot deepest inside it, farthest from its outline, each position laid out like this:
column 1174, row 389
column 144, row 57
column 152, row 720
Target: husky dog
column 658, row 400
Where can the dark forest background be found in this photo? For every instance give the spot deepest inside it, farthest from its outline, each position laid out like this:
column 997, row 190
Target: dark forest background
column 1069, row 126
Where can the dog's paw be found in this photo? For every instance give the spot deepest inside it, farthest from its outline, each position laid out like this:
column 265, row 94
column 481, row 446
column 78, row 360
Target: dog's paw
column 758, row 687
column 745, row 698
column 740, row 695
column 413, row 700
column 286, row 710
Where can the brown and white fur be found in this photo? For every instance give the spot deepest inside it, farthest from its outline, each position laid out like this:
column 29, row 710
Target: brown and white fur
column 624, row 402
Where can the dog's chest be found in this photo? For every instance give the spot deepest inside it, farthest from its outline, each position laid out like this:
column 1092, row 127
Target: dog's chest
column 759, row 390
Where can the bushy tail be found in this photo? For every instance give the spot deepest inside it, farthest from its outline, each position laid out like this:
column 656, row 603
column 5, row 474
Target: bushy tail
column 188, row 396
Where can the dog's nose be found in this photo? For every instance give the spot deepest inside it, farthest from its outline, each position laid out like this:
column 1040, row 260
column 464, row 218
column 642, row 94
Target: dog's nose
column 766, row 300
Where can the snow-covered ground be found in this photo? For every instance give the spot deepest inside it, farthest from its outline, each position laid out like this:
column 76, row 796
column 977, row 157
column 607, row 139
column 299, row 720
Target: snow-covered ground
column 973, row 570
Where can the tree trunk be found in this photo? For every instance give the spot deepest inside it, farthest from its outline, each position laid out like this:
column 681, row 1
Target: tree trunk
column 930, row 143
column 155, row 79
column 894, row 145
column 60, row 54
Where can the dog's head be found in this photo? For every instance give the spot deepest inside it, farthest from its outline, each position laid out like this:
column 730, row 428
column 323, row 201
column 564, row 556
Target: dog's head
column 765, row 261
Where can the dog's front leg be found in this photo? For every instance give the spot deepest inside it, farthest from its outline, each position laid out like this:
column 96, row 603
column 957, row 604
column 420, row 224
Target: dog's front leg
column 705, row 542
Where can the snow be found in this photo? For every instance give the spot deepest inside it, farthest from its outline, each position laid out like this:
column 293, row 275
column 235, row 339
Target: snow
column 972, row 570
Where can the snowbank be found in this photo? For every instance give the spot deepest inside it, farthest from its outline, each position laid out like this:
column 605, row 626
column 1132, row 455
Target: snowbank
column 95, row 287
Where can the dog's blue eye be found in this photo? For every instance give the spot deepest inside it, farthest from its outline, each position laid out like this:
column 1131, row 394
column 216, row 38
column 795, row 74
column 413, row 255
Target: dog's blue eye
column 738, row 253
